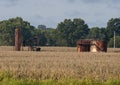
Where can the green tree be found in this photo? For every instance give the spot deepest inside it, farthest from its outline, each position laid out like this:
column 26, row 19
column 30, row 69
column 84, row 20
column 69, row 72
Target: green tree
column 42, row 27
column 97, row 33
column 113, row 25
column 50, row 34
column 7, row 30
column 117, row 43
column 71, row 30
column 41, row 37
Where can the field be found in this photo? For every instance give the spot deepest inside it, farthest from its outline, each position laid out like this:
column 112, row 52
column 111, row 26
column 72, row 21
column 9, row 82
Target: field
column 57, row 63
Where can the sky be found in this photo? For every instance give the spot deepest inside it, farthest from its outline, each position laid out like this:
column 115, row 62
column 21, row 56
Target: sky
column 95, row 13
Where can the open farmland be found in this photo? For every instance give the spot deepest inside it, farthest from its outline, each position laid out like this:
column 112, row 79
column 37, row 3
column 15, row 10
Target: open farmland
column 59, row 63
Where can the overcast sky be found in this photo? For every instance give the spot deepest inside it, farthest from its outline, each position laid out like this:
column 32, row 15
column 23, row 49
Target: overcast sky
column 51, row 12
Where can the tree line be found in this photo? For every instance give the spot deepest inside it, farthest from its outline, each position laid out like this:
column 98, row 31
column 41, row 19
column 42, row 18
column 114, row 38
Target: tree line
column 66, row 33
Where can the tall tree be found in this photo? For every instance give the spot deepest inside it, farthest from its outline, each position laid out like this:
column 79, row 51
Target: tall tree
column 111, row 42
column 50, row 34
column 97, row 33
column 71, row 30
column 7, row 29
column 42, row 27
column 113, row 25
column 41, row 37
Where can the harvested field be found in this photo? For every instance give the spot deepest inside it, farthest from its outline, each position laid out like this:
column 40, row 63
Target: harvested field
column 60, row 62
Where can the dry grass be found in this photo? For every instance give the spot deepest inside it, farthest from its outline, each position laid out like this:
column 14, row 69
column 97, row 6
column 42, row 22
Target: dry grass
column 60, row 62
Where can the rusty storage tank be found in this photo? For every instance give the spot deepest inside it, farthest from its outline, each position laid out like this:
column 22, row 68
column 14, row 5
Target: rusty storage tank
column 83, row 45
column 98, row 46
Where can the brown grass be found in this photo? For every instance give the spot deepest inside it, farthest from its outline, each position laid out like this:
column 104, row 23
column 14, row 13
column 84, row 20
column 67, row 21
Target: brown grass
column 60, row 62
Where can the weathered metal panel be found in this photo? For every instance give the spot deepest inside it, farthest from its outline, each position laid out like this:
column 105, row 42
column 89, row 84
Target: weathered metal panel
column 91, row 46
column 83, row 45
column 98, row 46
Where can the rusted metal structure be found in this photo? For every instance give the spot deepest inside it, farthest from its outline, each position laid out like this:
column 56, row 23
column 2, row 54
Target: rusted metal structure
column 83, row 45
column 32, row 43
column 98, row 46
column 17, row 39
column 87, row 45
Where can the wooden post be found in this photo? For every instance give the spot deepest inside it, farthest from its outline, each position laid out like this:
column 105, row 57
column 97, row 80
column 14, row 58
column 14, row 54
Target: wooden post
column 17, row 39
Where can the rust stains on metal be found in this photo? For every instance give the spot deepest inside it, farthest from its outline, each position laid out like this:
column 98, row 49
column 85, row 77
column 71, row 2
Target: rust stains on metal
column 83, row 45
column 91, row 46
column 98, row 46
column 17, row 39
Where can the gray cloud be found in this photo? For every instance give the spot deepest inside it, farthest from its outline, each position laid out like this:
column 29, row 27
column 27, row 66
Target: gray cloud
column 51, row 12
column 94, row 1
column 101, row 1
column 9, row 3
column 71, row 1
column 48, row 21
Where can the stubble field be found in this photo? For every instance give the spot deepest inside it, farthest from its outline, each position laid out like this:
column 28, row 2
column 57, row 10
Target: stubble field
column 60, row 63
